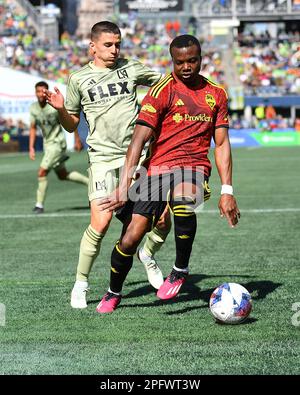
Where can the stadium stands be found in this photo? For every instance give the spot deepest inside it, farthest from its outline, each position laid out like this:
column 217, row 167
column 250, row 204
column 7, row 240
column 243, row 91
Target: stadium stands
column 266, row 66
column 25, row 51
column 269, row 67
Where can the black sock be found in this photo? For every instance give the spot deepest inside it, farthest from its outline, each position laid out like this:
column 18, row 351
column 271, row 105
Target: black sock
column 185, row 230
column 120, row 266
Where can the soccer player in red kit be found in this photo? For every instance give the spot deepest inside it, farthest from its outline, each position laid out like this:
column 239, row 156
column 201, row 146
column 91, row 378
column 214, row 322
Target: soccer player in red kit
column 179, row 115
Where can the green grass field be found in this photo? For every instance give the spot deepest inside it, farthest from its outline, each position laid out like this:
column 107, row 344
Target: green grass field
column 42, row 334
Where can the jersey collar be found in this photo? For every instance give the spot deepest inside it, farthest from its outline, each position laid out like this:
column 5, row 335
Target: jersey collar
column 200, row 85
column 102, row 69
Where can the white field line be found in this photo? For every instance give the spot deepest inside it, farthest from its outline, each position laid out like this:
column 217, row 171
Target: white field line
column 87, row 213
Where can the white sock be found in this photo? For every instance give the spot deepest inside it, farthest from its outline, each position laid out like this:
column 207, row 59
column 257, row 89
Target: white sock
column 115, row 293
column 144, row 257
column 185, row 270
column 39, row 205
column 81, row 284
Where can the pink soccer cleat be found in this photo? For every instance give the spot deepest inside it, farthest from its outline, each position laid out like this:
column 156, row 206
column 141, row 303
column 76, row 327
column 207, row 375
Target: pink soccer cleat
column 172, row 285
column 108, row 303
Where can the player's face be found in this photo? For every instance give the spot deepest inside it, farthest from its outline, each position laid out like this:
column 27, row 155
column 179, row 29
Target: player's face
column 106, row 49
column 187, row 63
column 39, row 92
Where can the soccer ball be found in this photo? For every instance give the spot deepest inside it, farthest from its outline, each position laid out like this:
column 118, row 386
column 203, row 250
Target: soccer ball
column 230, row 303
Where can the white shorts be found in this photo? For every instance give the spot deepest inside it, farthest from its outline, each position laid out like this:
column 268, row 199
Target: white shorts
column 102, row 180
column 104, row 177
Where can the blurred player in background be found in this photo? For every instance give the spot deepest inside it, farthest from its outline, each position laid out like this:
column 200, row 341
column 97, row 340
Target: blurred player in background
column 180, row 114
column 105, row 90
column 42, row 115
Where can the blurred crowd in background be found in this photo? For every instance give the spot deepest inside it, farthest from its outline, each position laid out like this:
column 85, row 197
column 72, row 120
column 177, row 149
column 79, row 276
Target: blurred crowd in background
column 24, row 51
column 267, row 66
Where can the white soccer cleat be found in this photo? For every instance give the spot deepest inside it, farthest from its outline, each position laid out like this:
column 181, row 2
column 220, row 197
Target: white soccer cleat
column 78, row 295
column 154, row 274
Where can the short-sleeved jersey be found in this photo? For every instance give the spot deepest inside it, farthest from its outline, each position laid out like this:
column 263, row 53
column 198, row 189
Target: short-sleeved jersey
column 108, row 99
column 46, row 118
column 184, row 120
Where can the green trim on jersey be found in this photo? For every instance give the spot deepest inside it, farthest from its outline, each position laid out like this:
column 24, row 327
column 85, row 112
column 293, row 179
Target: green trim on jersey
column 46, row 118
column 108, row 99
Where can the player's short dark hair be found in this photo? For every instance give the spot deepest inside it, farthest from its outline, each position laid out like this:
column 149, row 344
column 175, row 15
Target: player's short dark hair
column 104, row 27
column 184, row 41
column 42, row 83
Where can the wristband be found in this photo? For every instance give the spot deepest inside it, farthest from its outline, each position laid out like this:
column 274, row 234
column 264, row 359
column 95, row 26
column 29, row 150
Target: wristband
column 227, row 189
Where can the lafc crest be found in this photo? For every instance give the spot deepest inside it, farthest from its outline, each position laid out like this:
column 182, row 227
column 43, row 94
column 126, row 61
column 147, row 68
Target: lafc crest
column 210, row 100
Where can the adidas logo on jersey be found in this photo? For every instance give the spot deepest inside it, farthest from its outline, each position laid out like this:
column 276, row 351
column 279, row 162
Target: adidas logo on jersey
column 179, row 103
column 91, row 82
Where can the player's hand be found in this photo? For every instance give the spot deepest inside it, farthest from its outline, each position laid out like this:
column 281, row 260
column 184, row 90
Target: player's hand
column 55, row 99
column 229, row 209
column 32, row 153
column 114, row 201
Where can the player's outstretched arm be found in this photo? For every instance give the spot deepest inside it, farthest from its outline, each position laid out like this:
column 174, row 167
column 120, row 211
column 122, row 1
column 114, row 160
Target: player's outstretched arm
column 227, row 203
column 118, row 198
column 57, row 101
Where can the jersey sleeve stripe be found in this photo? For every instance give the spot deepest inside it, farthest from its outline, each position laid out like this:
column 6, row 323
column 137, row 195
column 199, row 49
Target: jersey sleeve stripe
column 155, row 91
column 158, row 92
column 159, row 83
column 216, row 85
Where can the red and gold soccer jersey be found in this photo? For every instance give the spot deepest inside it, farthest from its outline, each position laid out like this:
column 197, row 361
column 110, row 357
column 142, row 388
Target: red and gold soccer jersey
column 184, row 120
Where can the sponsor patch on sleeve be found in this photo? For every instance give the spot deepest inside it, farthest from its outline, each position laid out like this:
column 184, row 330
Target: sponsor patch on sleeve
column 148, row 108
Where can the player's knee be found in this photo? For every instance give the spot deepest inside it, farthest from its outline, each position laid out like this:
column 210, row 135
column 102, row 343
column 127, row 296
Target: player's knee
column 100, row 220
column 62, row 176
column 183, row 206
column 164, row 223
column 100, row 225
column 42, row 172
column 134, row 233
column 132, row 238
column 129, row 243
column 62, row 173
column 185, row 222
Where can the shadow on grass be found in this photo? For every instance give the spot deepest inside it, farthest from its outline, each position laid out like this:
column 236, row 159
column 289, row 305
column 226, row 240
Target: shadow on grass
column 191, row 292
column 260, row 289
column 247, row 321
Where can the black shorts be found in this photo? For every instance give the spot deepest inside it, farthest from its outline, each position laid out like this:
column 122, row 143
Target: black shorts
column 150, row 195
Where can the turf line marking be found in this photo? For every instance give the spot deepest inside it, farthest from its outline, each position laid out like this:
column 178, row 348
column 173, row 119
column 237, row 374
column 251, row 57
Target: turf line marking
column 86, row 214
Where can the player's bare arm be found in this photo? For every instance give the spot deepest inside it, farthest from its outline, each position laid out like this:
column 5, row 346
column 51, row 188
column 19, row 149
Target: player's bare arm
column 227, row 203
column 78, row 144
column 57, row 101
column 118, row 198
column 32, row 138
